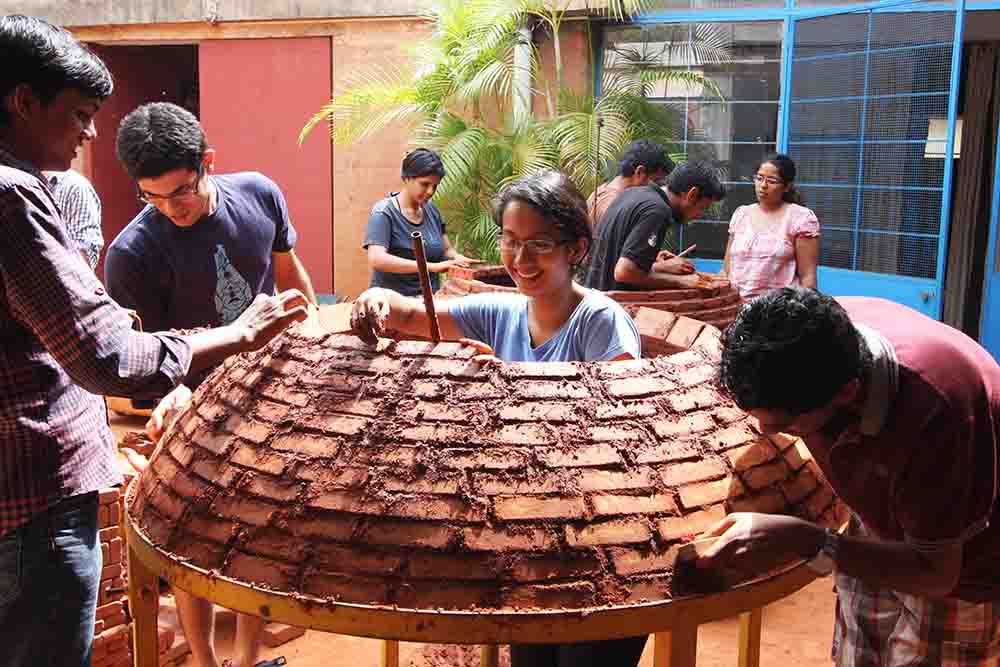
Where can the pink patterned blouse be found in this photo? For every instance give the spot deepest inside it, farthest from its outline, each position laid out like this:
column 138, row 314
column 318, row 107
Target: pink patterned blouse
column 765, row 260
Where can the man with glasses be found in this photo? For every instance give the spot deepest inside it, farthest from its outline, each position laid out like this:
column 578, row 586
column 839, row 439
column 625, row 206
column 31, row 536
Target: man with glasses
column 197, row 255
column 628, row 240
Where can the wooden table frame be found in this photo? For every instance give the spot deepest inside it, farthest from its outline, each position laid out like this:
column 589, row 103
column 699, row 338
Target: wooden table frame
column 674, row 623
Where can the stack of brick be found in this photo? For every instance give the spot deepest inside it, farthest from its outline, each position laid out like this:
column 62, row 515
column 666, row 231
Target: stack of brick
column 715, row 301
column 113, row 631
column 409, row 475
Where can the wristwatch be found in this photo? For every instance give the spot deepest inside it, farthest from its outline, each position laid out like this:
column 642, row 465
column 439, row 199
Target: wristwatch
column 822, row 563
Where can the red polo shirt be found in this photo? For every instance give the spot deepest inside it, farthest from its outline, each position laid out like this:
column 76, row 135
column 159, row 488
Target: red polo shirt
column 929, row 475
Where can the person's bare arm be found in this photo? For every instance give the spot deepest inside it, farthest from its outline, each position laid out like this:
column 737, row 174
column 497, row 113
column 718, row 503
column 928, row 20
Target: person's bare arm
column 627, row 271
column 378, row 310
column 380, row 259
column 458, row 258
column 290, row 274
column 806, row 259
column 724, row 272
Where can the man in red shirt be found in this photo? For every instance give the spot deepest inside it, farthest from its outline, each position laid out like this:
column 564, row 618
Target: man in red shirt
column 900, row 413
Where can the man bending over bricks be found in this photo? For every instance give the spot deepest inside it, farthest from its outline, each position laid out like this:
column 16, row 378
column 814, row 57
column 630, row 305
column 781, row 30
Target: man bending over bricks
column 900, row 412
column 63, row 343
column 197, row 255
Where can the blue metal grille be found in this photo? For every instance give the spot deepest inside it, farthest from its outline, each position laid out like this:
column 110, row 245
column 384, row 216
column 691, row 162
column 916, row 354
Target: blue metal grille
column 865, row 88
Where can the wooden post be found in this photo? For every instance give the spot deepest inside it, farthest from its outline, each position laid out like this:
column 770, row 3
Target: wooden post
column 144, row 603
column 677, row 647
column 490, row 656
column 425, row 285
column 390, row 653
column 750, row 623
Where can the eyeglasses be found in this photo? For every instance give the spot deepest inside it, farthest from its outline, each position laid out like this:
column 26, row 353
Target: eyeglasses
column 531, row 246
column 182, row 192
column 770, row 180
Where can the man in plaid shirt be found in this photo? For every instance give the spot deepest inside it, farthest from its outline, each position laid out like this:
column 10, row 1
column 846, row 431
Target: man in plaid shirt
column 81, row 211
column 64, row 343
column 901, row 414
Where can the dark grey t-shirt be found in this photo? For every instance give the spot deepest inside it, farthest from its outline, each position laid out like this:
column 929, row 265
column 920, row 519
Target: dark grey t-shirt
column 389, row 228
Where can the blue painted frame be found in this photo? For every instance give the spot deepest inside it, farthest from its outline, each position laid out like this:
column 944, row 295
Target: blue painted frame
column 989, row 320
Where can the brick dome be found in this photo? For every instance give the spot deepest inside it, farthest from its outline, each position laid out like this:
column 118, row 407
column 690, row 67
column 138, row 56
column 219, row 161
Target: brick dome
column 714, row 302
column 409, row 476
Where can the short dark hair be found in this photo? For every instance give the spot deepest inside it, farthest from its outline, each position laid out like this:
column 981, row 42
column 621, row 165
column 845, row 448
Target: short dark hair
column 421, row 162
column 697, row 174
column 159, row 137
column 786, row 170
column 49, row 60
column 557, row 200
column 792, row 349
column 644, row 153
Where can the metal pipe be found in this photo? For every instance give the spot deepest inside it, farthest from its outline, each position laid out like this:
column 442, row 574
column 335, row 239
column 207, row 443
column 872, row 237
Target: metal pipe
column 425, row 285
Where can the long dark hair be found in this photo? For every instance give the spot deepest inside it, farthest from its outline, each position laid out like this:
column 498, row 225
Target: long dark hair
column 557, row 200
column 786, row 170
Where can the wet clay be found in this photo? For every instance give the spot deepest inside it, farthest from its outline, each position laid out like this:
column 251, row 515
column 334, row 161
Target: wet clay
column 405, row 474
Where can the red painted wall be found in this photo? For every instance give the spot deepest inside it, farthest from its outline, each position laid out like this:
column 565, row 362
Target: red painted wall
column 142, row 74
column 256, row 94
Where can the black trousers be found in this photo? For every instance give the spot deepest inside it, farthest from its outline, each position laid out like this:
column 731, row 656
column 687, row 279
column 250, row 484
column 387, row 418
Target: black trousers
column 609, row 653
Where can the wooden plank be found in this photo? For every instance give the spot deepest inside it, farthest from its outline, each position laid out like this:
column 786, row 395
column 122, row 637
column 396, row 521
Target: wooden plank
column 390, row 653
column 490, row 656
column 677, row 647
column 143, row 600
column 750, row 623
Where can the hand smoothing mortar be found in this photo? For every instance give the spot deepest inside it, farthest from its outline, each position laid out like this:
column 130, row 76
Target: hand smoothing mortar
column 409, row 476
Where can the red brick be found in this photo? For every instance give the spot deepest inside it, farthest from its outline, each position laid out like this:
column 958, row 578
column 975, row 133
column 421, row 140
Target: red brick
column 536, row 412
column 615, row 434
column 455, row 368
column 261, row 571
column 444, row 595
column 477, row 391
column 730, row 437
column 352, row 589
column 819, row 501
column 439, row 412
column 692, row 399
column 253, row 512
column 166, row 503
column 528, row 434
column 611, row 480
column 279, row 634
column 280, row 490
column 407, row 534
column 362, row 407
column 216, row 442
column 439, row 485
column 210, row 529
column 340, row 500
column 765, row 475
column 108, row 534
column 397, row 456
column 710, row 340
column 272, row 543
column 551, row 390
column 108, row 496
column 335, row 424
column 262, row 460
column 571, row 595
column 111, row 571
column 768, row 501
column 695, row 471
column 102, row 517
column 220, row 474
column 797, row 455
column 431, row 349
column 606, row 505
column 110, row 609
column 519, row 508
column 105, row 553
column 441, row 508
column 697, row 375
column 782, row 440
column 428, row 389
column 508, row 539
column 307, row 444
column 684, row 426
column 754, row 454
column 580, row 456
column 545, row 568
column 673, row 528
column 608, row 532
column 799, row 487
column 352, row 559
column 494, row 458
column 437, row 434
column 684, row 332
column 561, row 370
column 638, row 561
column 675, row 450
column 345, row 477
column 334, row 528
column 499, row 484
column 629, row 367
column 465, row 567
column 189, row 486
column 278, row 392
column 181, row 451
column 727, row 414
column 270, row 411
column 631, row 410
column 707, row 493
column 639, row 387
column 654, row 324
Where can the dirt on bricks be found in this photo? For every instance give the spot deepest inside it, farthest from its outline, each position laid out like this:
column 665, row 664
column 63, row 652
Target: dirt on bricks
column 405, row 476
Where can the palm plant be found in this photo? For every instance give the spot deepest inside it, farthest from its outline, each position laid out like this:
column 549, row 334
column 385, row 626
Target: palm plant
column 458, row 99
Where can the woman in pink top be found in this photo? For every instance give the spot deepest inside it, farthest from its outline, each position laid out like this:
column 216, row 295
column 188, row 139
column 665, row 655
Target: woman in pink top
column 775, row 242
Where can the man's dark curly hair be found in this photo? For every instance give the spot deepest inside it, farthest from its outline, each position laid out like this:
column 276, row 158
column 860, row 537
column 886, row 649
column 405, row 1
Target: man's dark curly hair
column 792, row 349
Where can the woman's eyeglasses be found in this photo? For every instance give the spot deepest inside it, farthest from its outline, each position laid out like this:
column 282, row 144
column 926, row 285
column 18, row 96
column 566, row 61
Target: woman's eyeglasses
column 770, row 180
column 531, row 246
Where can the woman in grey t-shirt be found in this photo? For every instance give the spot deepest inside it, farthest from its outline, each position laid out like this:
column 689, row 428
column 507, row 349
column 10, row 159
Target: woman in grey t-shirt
column 387, row 239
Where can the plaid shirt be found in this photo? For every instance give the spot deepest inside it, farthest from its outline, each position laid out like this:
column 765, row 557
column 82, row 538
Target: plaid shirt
column 63, row 343
column 81, row 211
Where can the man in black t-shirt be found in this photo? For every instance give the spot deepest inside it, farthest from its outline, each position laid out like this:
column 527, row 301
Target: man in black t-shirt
column 632, row 230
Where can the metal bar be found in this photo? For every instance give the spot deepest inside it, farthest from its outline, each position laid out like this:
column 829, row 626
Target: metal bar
column 425, row 285
column 887, row 49
column 759, row 14
column 949, row 149
column 784, row 108
column 861, row 148
column 870, row 186
column 858, row 98
column 881, row 232
column 870, row 142
column 989, row 335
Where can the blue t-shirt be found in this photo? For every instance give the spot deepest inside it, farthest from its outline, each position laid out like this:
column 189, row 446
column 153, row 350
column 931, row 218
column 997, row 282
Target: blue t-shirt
column 598, row 329
column 206, row 274
column 389, row 228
